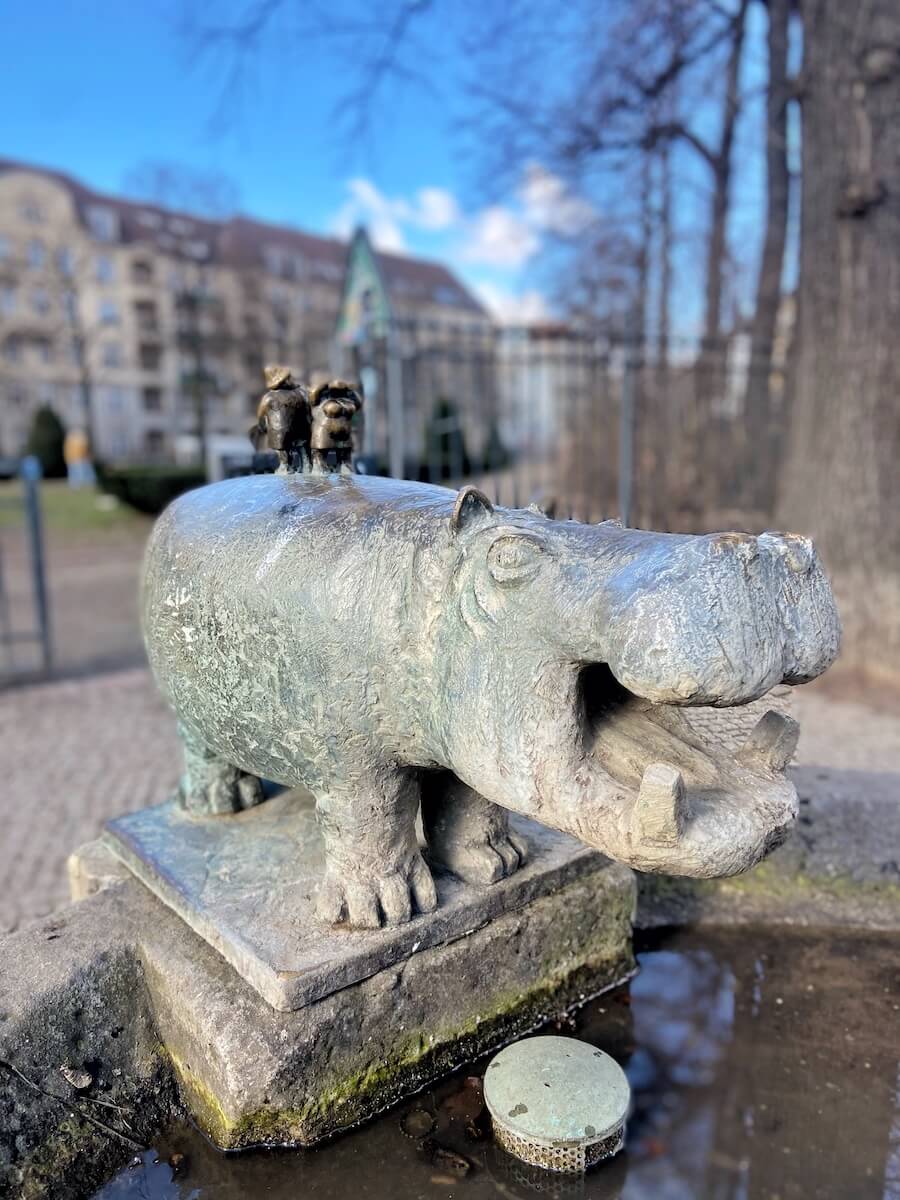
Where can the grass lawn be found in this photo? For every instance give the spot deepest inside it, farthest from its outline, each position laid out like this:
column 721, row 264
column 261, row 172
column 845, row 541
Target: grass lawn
column 71, row 510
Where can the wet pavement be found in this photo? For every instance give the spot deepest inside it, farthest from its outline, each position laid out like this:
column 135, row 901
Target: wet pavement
column 763, row 1064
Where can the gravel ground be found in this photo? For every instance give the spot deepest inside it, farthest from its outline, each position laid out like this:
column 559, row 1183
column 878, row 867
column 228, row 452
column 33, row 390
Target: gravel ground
column 79, row 751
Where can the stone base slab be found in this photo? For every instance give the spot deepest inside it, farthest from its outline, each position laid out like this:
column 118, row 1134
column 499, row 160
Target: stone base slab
column 252, row 1075
column 246, row 883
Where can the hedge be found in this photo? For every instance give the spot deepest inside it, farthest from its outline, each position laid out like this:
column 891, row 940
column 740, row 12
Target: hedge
column 149, row 488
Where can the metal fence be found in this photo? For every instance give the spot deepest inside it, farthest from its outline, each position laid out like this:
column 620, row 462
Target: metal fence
column 685, row 439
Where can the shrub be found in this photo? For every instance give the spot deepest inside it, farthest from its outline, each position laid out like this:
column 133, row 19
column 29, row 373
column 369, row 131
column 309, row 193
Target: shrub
column 45, row 442
column 149, row 488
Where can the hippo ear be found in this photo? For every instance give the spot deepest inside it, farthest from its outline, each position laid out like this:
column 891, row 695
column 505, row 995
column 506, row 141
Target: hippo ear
column 471, row 505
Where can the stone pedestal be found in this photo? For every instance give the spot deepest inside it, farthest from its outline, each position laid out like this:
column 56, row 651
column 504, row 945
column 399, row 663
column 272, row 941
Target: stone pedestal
column 485, row 967
column 246, row 883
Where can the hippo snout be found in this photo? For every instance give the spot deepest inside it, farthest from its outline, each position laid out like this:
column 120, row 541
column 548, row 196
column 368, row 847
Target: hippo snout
column 720, row 620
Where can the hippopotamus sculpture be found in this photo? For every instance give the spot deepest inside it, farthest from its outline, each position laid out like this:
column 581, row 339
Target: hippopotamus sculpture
column 385, row 643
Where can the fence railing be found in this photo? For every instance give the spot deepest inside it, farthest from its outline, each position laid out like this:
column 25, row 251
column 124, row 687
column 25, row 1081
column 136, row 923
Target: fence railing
column 592, row 426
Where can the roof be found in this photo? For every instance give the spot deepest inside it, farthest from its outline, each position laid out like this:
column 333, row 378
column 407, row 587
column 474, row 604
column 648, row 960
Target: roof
column 243, row 242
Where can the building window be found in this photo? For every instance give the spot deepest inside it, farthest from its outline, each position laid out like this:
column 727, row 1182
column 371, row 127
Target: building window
column 5, row 247
column 43, row 350
column 36, row 253
column 104, row 269
column 113, row 400
column 141, row 271
column 7, row 300
column 40, row 301
column 145, row 314
column 65, row 261
column 102, row 223
column 18, row 395
column 12, row 349
column 152, row 399
column 112, row 354
column 150, row 357
column 70, row 306
column 149, row 219
column 154, row 442
column 109, row 312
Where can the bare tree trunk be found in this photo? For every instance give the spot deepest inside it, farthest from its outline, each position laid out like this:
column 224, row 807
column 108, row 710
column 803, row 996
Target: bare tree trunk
column 643, row 467
column 721, row 166
column 761, row 462
column 841, row 483
column 667, row 423
column 713, row 468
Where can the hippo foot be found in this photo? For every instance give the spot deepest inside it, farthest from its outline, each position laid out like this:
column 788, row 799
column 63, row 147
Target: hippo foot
column 467, row 835
column 367, row 899
column 230, row 791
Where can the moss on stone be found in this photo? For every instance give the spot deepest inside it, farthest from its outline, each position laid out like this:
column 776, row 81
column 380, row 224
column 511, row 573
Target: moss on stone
column 417, row 1059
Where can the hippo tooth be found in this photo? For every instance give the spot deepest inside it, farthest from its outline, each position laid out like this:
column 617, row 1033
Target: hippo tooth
column 660, row 804
column 772, row 742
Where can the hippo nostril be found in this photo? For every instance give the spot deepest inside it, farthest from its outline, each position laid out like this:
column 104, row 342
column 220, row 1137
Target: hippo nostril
column 801, row 552
column 797, row 551
column 742, row 545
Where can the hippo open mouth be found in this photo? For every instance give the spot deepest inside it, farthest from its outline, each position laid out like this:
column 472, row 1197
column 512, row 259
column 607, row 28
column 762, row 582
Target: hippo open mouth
column 685, row 804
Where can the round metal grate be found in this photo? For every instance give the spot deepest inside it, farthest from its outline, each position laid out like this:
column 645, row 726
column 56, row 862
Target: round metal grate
column 557, row 1103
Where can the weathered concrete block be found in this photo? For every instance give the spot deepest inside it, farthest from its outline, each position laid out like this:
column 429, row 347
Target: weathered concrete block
column 251, row 1074
column 246, row 883
column 72, row 997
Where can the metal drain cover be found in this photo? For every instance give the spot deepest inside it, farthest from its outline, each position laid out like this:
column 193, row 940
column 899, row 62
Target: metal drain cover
column 557, row 1103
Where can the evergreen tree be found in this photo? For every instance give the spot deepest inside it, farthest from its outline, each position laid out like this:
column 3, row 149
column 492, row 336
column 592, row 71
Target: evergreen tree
column 45, row 442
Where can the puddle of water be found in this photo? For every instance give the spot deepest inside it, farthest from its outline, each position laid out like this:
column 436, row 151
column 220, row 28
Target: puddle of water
column 764, row 1066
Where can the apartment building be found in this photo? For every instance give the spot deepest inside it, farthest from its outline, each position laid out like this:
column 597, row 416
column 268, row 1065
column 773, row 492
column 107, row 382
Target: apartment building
column 151, row 326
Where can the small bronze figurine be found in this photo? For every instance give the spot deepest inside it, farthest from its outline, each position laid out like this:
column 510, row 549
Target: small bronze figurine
column 333, row 406
column 283, row 420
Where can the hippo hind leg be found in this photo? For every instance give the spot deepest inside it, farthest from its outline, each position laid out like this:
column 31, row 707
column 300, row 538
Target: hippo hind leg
column 467, row 835
column 210, row 785
column 374, row 872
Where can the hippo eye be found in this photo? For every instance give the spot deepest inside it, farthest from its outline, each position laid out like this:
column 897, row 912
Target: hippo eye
column 514, row 559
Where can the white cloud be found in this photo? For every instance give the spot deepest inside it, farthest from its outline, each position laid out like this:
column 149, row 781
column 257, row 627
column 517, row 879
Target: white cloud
column 499, row 237
column 513, row 308
column 433, row 209
column 549, row 205
column 436, row 209
column 504, row 236
column 368, row 206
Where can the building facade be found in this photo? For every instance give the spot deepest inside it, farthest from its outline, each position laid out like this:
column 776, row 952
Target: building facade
column 150, row 327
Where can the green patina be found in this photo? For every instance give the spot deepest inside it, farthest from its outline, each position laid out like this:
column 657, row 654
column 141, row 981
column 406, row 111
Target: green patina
column 416, row 1060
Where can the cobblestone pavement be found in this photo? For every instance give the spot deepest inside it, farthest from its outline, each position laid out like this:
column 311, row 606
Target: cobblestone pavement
column 77, row 752
column 73, row 753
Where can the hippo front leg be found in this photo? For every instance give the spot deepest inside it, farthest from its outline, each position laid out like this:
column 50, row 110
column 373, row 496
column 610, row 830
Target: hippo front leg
column 466, row 834
column 374, row 873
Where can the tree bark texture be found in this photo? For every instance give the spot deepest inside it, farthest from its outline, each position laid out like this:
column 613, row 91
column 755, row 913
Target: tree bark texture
column 840, row 483
column 761, row 430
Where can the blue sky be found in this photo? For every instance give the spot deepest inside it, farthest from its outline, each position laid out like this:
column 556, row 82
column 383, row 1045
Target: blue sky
column 98, row 87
